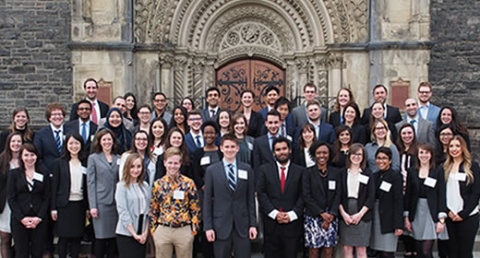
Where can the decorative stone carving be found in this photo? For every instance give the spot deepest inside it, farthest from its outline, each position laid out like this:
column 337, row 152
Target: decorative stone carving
column 250, row 34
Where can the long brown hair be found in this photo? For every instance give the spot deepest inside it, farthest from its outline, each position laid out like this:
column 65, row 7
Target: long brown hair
column 6, row 155
column 28, row 135
column 354, row 148
column 466, row 156
column 128, row 165
column 428, row 147
column 401, row 146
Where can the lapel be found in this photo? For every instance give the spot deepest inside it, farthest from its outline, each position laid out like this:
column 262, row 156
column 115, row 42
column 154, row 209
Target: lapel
column 276, row 179
column 223, row 177
column 289, row 177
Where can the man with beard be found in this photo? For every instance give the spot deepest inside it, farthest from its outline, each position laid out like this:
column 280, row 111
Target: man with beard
column 99, row 109
column 279, row 191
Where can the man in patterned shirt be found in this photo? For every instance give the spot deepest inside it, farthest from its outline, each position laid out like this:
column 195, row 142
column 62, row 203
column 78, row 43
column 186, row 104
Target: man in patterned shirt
column 174, row 209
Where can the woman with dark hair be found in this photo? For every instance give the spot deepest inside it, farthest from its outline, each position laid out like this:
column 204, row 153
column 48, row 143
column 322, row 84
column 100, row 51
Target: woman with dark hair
column 425, row 204
column 188, row 104
column 102, row 177
column 144, row 115
column 20, row 119
column 254, row 119
column 377, row 113
column 176, row 139
column 344, row 97
column 131, row 104
column 245, row 142
column 179, row 119
column 357, row 193
column 448, row 115
column 9, row 159
column 114, row 122
column 142, row 146
column 388, row 207
column 444, row 134
column 28, row 189
column 322, row 200
column 132, row 198
column 300, row 154
column 69, row 195
column 224, row 119
column 158, row 136
column 342, row 143
column 351, row 118
column 462, row 176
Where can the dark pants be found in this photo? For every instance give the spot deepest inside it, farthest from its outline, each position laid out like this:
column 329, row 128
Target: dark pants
column 64, row 242
column 278, row 246
column 223, row 247
column 129, row 247
column 28, row 241
column 106, row 246
column 462, row 237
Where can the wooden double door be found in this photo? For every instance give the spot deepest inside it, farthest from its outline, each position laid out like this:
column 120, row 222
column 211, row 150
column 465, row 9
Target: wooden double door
column 253, row 74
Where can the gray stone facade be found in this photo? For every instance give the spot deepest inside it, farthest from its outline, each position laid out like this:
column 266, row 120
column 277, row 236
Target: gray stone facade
column 35, row 61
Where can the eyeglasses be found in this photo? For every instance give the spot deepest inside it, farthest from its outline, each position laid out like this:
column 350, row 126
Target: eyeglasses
column 424, row 92
column 84, row 109
column 159, row 100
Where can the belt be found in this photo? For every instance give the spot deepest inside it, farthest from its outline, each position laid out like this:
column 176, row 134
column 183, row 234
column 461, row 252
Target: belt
column 175, row 225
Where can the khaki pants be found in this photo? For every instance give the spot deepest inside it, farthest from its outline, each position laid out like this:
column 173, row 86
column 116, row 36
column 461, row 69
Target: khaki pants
column 166, row 238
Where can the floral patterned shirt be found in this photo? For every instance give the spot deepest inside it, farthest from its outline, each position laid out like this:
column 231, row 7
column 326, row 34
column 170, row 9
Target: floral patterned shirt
column 174, row 201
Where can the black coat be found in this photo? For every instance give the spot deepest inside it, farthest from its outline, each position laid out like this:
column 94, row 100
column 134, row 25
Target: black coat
column 319, row 198
column 366, row 193
column 391, row 202
column 61, row 184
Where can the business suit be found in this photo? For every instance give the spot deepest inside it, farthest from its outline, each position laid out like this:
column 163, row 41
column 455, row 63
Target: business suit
column 432, row 114
column 366, row 192
column 26, row 203
column 393, row 115
column 103, row 110
column 424, row 132
column 335, row 119
column 263, row 112
column 281, row 239
column 74, row 126
column 46, row 146
column 166, row 116
column 207, row 116
column 255, row 124
column 319, row 199
column 262, row 152
column 391, row 202
column 232, row 214
column 192, row 143
column 299, row 115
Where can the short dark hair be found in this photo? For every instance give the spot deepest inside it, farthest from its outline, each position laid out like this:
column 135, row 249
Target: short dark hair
column 247, row 91
column 228, row 137
column 385, row 150
column 281, row 139
column 380, row 85
column 318, row 144
column 90, row 80
column 272, row 112
column 270, row 88
column 212, row 89
column 309, row 84
column 211, row 123
column 282, row 101
column 159, row 93
column 84, row 101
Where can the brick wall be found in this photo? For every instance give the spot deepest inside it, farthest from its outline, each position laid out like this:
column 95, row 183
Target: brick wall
column 35, row 66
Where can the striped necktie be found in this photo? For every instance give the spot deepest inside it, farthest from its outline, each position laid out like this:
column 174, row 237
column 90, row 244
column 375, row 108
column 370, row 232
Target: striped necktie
column 231, row 177
column 58, row 141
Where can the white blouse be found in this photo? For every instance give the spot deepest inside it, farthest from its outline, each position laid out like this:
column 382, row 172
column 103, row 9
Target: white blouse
column 76, row 182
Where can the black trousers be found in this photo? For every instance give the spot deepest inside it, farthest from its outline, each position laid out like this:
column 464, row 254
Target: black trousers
column 107, row 246
column 129, row 247
column 28, row 241
column 462, row 237
column 279, row 246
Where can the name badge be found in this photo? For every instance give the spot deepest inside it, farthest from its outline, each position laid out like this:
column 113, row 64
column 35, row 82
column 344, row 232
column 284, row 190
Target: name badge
column 38, row 176
column 242, row 174
column 178, row 195
column 431, row 182
column 331, row 185
column 461, row 176
column 84, row 170
column 385, row 186
column 250, row 146
column 92, row 137
column 205, row 161
column 363, row 179
column 289, row 138
column 118, row 162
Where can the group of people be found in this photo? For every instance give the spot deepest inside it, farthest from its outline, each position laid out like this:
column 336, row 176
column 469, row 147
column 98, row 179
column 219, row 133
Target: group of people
column 190, row 182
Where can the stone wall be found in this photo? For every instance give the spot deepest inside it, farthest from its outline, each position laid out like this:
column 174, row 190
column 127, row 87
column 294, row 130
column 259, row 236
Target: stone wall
column 455, row 58
column 34, row 58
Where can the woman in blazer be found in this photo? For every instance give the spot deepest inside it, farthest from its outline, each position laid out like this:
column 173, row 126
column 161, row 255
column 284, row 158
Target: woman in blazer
column 425, row 207
column 343, row 140
column 245, row 142
column 344, row 96
column 69, row 195
column 357, row 194
column 462, row 176
column 175, row 138
column 388, row 207
column 132, row 198
column 300, row 154
column 20, row 119
column 28, row 191
column 321, row 200
column 351, row 118
column 102, row 177
column 254, row 119
column 9, row 159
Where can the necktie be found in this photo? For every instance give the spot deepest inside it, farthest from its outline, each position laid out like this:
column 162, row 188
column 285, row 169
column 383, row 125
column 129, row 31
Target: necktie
column 412, row 121
column 94, row 114
column 213, row 113
column 283, row 130
column 197, row 141
column 84, row 132
column 58, row 141
column 282, row 178
column 231, row 177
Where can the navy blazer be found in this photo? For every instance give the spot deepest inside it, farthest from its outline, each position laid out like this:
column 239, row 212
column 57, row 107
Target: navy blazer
column 270, row 197
column 366, row 193
column 199, row 170
column 103, row 110
column 24, row 202
column 223, row 209
column 318, row 198
column 191, row 144
column 436, row 197
column 334, row 118
column 326, row 133
column 391, row 202
column 46, row 146
column 61, row 184
column 261, row 152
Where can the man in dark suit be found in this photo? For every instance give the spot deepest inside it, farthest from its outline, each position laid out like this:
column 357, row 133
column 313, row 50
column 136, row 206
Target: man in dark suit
column 99, row 109
column 262, row 146
column 194, row 138
column 279, row 191
column 323, row 130
column 272, row 93
column 299, row 113
column 229, row 220
column 392, row 114
column 212, row 96
column 83, row 125
column 423, row 128
column 283, row 107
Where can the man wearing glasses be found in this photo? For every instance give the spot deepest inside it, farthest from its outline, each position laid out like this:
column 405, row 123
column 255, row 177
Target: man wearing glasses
column 160, row 103
column 427, row 110
column 83, row 125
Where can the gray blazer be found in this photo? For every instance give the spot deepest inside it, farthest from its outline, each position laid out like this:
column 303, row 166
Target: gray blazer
column 229, row 208
column 299, row 115
column 128, row 207
column 102, row 178
column 424, row 132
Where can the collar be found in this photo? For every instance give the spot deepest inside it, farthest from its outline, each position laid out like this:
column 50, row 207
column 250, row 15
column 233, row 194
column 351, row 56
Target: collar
column 280, row 165
column 55, row 129
column 410, row 119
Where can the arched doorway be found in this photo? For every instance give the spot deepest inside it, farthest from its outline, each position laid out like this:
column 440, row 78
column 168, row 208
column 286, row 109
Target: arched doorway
column 253, row 74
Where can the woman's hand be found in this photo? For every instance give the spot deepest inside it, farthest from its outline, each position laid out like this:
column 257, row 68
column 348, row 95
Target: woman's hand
column 94, row 213
column 408, row 225
column 398, row 232
column 440, row 227
column 356, row 218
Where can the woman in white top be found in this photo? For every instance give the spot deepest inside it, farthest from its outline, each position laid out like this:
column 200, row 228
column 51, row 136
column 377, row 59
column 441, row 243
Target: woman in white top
column 301, row 155
column 68, row 203
column 132, row 198
column 462, row 176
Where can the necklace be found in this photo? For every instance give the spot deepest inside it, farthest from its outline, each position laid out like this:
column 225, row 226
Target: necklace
column 323, row 173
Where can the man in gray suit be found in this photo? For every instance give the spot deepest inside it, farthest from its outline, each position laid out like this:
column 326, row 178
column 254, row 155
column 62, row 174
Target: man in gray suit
column 423, row 128
column 299, row 114
column 229, row 220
